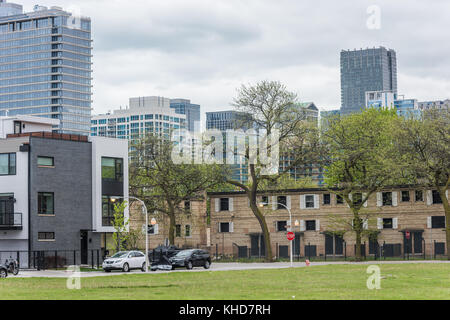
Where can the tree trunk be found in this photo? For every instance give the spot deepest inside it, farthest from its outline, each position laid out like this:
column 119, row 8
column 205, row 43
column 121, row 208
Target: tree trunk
column 265, row 230
column 447, row 217
column 171, row 224
column 358, row 246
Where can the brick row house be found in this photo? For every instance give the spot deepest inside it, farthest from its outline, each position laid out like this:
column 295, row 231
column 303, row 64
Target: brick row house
column 398, row 221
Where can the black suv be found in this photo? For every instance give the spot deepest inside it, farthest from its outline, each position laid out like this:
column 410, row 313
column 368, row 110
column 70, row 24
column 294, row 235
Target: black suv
column 191, row 258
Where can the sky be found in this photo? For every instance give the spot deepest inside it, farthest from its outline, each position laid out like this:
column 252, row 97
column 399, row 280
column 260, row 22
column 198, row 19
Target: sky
column 203, row 50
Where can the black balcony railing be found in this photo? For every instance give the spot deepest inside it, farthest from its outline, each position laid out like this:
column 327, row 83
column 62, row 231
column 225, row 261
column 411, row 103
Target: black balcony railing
column 10, row 221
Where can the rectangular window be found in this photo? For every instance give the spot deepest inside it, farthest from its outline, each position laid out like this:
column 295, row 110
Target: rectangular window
column 387, row 198
column 46, row 203
column 224, row 227
column 46, row 236
column 107, row 211
column 112, row 169
column 265, row 201
column 7, row 164
column 387, row 223
column 327, row 199
column 46, row 162
column 178, row 230
column 436, row 197
column 438, row 222
column 281, row 226
column 282, row 202
column 405, row 196
column 188, row 230
column 339, row 199
column 311, row 225
column 419, row 195
column 309, row 201
column 187, row 206
column 224, row 204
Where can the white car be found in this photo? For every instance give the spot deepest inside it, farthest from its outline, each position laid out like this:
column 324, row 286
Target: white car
column 125, row 261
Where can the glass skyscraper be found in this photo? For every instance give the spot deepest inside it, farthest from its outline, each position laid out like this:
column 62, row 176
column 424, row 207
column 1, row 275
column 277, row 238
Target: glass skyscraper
column 45, row 66
column 366, row 70
column 192, row 112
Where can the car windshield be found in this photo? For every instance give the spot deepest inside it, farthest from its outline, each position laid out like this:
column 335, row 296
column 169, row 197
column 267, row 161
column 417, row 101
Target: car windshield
column 183, row 254
column 120, row 255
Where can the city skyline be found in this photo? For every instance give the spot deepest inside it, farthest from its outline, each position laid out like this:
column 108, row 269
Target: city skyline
column 204, row 53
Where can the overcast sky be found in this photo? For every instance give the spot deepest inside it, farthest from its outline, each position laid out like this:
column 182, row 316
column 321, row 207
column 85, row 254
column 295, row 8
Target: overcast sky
column 204, row 49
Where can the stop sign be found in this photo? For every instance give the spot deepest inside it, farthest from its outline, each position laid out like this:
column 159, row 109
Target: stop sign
column 290, row 236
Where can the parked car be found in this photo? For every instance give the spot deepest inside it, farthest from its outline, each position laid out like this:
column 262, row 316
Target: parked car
column 167, row 251
column 3, row 271
column 125, row 261
column 191, row 258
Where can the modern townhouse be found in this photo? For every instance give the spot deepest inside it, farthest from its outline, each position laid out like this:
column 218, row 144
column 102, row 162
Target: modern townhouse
column 398, row 221
column 55, row 190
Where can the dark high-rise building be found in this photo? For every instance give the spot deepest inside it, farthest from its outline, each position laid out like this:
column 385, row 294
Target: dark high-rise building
column 366, row 70
column 45, row 66
column 192, row 112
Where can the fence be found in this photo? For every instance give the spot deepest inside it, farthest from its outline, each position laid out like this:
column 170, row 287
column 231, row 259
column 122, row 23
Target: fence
column 55, row 259
column 369, row 251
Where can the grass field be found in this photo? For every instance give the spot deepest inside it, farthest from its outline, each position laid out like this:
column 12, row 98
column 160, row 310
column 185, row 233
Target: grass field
column 406, row 281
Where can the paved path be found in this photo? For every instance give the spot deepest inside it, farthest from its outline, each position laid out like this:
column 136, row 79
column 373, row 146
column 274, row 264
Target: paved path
column 214, row 267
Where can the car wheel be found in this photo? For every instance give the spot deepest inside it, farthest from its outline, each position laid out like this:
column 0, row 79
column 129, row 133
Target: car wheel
column 126, row 267
column 3, row 273
column 143, row 267
column 207, row 264
column 189, row 265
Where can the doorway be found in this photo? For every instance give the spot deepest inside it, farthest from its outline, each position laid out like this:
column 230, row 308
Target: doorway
column 84, row 247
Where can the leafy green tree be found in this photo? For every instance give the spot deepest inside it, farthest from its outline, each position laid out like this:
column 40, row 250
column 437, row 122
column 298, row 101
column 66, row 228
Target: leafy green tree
column 120, row 224
column 424, row 149
column 269, row 106
column 165, row 185
column 360, row 161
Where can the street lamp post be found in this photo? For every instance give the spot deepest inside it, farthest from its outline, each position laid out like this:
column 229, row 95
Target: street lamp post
column 290, row 225
column 113, row 199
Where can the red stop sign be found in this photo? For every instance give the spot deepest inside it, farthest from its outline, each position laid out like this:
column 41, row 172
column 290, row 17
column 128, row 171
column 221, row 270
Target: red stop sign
column 408, row 235
column 290, row 236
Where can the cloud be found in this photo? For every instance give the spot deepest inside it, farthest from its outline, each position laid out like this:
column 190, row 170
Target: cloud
column 204, row 49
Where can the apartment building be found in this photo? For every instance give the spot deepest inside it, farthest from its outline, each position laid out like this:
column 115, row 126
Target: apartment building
column 55, row 189
column 191, row 228
column 398, row 220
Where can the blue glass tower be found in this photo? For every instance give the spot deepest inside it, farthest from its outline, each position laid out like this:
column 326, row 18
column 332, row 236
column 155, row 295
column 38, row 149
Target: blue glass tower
column 45, row 66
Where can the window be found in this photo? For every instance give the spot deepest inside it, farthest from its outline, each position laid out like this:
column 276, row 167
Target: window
column 387, row 223
column 436, row 197
column 265, row 201
column 187, row 206
column 339, row 199
column 224, row 227
column 281, row 226
column 405, row 196
column 178, row 230
column 309, row 201
column 357, row 198
column 46, row 162
column 7, row 164
column 224, row 204
column 46, row 236
column 46, row 203
column 107, row 211
column 419, row 195
column 387, row 198
column 438, row 222
column 188, row 230
column 112, row 169
column 327, row 199
column 311, row 225
column 282, row 202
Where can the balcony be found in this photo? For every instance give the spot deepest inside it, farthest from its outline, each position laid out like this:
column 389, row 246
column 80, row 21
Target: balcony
column 10, row 221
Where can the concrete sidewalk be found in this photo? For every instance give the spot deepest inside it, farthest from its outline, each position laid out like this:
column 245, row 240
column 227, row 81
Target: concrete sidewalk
column 214, row 267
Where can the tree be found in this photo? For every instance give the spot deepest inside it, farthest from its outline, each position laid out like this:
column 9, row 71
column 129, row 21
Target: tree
column 120, row 224
column 424, row 149
column 165, row 185
column 269, row 107
column 360, row 161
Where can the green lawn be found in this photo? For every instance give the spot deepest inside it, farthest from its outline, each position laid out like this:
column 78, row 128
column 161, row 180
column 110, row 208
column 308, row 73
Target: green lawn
column 399, row 281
